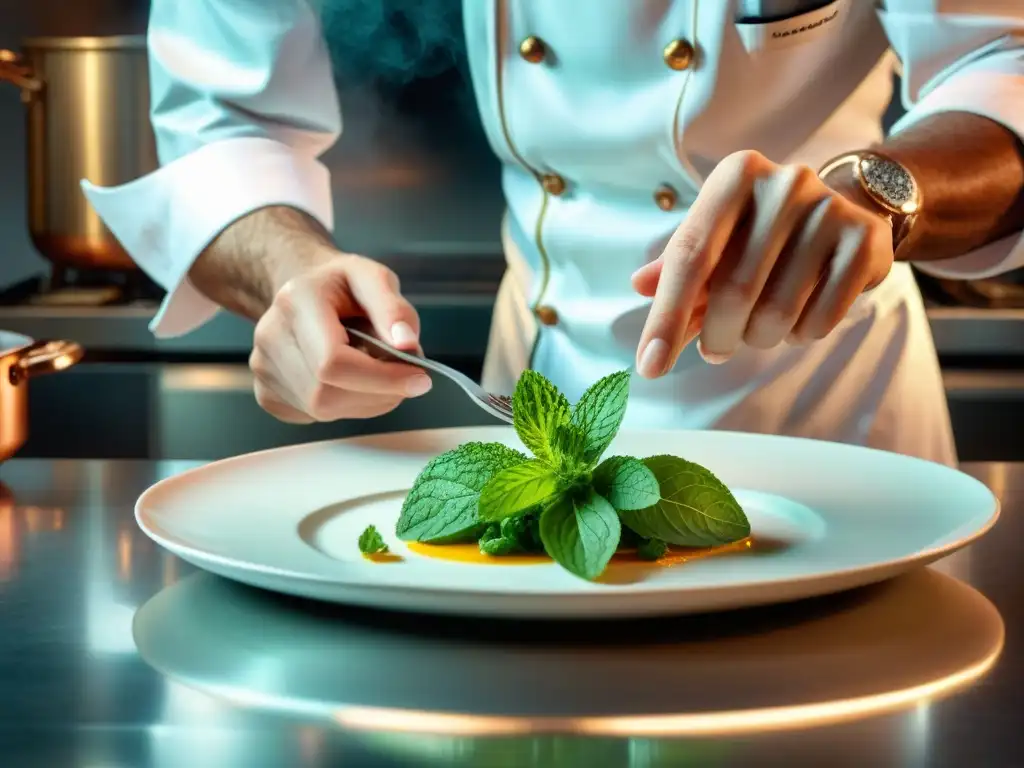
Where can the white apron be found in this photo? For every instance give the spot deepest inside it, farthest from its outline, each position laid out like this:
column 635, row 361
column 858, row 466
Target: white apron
column 616, row 126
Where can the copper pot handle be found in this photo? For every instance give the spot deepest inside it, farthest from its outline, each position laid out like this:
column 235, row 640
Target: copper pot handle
column 44, row 357
column 14, row 70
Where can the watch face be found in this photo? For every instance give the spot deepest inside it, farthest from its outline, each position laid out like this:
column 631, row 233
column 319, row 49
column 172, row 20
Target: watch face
column 890, row 182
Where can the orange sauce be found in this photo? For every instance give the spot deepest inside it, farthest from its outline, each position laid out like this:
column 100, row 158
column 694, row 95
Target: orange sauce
column 680, row 555
column 470, row 553
column 383, row 557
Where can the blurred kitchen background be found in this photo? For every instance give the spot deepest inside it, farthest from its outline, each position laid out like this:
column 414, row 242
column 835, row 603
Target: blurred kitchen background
column 415, row 186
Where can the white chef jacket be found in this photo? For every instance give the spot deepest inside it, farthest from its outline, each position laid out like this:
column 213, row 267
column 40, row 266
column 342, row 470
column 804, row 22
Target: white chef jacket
column 605, row 142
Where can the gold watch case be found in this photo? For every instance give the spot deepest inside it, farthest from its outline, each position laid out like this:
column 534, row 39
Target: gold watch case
column 889, row 184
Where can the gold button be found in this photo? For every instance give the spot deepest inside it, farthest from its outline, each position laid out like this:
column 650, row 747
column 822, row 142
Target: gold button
column 678, row 55
column 533, row 50
column 665, row 197
column 553, row 183
column 547, row 315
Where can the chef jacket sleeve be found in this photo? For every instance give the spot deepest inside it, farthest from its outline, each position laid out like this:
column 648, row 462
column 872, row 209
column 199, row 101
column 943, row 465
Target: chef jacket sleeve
column 962, row 59
column 242, row 104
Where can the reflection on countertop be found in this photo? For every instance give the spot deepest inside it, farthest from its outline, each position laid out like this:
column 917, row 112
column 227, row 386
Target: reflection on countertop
column 113, row 652
column 867, row 653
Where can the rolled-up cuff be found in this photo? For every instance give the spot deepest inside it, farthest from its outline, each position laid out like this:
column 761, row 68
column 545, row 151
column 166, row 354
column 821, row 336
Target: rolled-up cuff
column 996, row 258
column 166, row 219
column 992, row 87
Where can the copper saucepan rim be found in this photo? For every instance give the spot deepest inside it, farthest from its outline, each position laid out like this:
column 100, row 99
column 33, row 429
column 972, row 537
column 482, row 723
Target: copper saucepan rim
column 35, row 358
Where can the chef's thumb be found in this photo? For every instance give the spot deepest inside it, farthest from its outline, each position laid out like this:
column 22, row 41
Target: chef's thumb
column 377, row 291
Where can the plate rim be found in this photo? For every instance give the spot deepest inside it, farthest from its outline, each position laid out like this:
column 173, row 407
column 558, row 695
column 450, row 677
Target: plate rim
column 869, row 572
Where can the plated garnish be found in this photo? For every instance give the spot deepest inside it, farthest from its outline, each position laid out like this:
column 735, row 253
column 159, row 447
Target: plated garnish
column 564, row 500
column 371, row 542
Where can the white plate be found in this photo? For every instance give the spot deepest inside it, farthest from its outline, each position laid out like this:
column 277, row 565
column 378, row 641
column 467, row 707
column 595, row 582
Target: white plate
column 829, row 517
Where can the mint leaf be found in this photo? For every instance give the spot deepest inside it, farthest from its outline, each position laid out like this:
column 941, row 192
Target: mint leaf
column 517, row 489
column 599, row 413
column 512, row 535
column 696, row 509
column 651, row 549
column 371, row 542
column 568, row 447
column 442, row 507
column 523, row 529
column 537, row 407
column 627, row 483
column 494, row 544
column 581, row 534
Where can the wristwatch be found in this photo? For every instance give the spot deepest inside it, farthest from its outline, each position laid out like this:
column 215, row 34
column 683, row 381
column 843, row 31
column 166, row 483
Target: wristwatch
column 885, row 182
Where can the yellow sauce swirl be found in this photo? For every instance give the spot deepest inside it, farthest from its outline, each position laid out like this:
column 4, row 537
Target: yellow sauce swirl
column 470, row 553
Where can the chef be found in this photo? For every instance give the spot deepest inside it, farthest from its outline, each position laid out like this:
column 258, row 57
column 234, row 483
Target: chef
column 697, row 188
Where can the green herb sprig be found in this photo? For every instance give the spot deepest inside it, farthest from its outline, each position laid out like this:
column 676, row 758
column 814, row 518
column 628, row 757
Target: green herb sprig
column 371, row 542
column 564, row 500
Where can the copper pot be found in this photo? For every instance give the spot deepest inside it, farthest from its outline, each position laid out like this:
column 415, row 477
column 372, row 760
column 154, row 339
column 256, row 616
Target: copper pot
column 87, row 105
column 21, row 359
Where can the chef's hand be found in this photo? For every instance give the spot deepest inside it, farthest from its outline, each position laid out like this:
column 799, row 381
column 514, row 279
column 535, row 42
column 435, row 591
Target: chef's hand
column 767, row 253
column 306, row 370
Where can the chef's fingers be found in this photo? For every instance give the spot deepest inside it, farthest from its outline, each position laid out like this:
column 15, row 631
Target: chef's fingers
column 285, row 378
column 852, row 269
column 645, row 279
column 330, row 404
column 376, row 288
column 645, row 282
column 269, row 399
column 782, row 201
column 283, row 395
column 693, row 328
column 328, row 355
column 347, row 368
column 791, row 284
column 276, row 356
column 691, row 256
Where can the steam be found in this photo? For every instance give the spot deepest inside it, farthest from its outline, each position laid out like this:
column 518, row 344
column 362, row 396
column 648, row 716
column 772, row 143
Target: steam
column 393, row 42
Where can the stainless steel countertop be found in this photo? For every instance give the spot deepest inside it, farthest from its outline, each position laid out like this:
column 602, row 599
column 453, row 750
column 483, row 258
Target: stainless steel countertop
column 251, row 679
